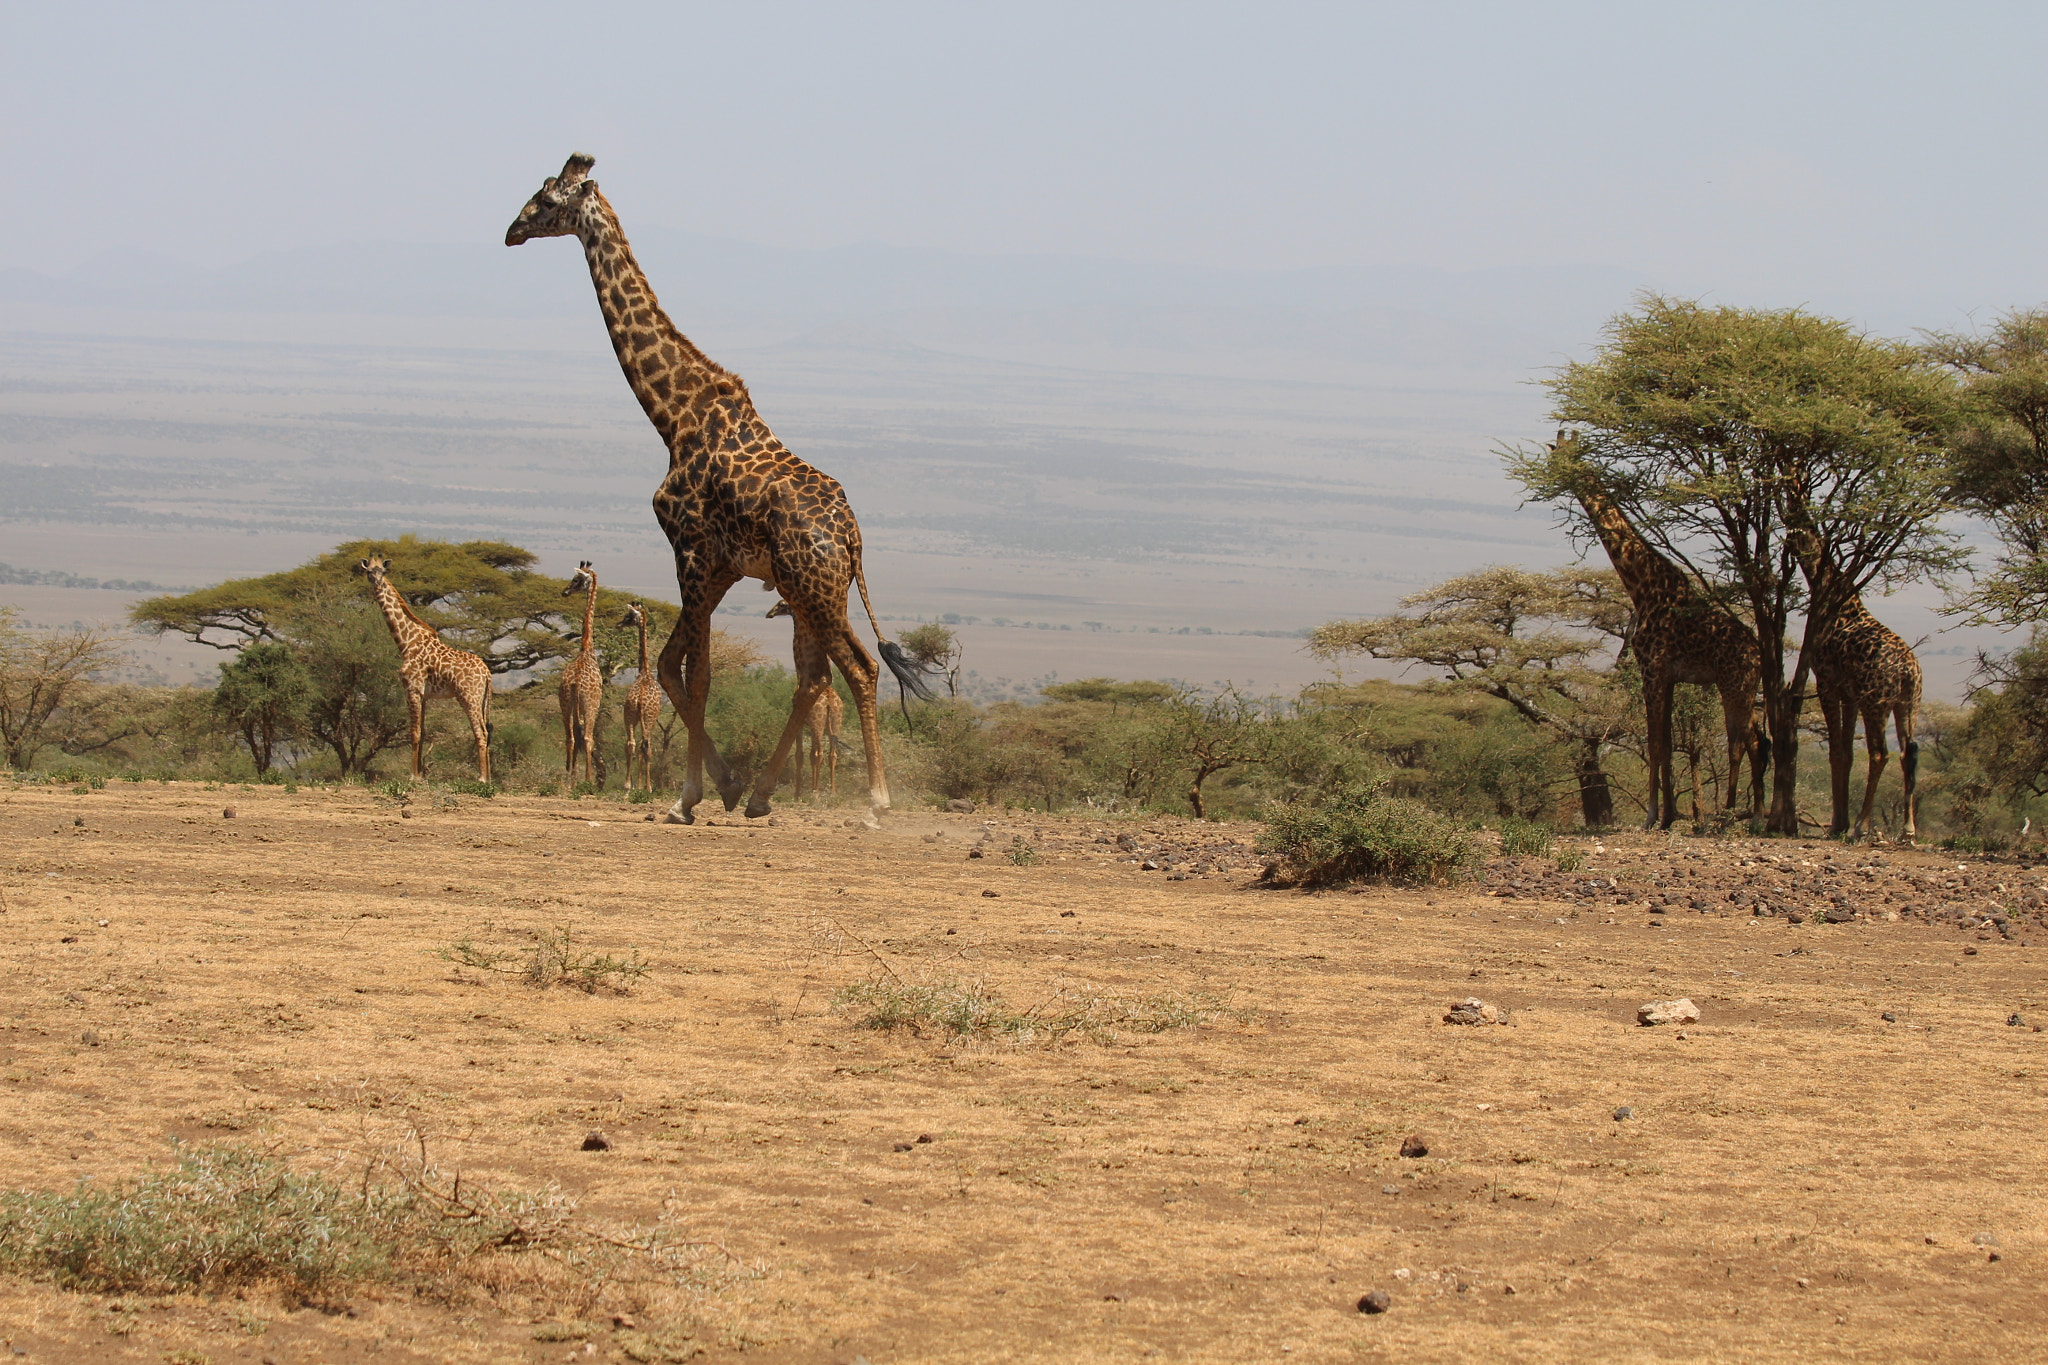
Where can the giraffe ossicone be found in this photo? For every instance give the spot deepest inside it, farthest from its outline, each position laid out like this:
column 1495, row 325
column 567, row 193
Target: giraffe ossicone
column 735, row 503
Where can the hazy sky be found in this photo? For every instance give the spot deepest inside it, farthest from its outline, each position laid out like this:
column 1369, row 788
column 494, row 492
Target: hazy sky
column 1870, row 158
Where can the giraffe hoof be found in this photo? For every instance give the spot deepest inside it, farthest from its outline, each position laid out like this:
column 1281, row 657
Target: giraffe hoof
column 756, row 809
column 672, row 818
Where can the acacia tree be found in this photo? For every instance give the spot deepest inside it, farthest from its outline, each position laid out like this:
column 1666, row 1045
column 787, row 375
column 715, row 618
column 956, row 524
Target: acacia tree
column 264, row 694
column 1537, row 641
column 935, row 649
column 1717, row 429
column 2001, row 458
column 39, row 671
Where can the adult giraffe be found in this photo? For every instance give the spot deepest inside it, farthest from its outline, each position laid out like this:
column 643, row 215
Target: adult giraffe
column 1681, row 635
column 735, row 504
column 580, row 690
column 430, row 667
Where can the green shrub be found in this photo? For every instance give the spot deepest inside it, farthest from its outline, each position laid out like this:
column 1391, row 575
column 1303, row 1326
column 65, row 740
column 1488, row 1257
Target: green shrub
column 1361, row 832
column 1571, row 860
column 1523, row 839
column 1021, row 853
column 641, row 796
column 470, row 786
column 951, row 1009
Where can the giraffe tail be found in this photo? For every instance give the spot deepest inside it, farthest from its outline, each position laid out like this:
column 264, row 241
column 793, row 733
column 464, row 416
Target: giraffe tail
column 910, row 676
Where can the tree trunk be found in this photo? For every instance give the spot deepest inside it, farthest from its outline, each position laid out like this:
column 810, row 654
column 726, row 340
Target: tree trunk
column 1782, row 712
column 1596, row 798
column 1195, row 795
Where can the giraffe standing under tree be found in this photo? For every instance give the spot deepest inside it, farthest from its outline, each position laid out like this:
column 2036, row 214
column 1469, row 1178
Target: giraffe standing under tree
column 643, row 707
column 431, row 668
column 735, row 504
column 1860, row 668
column 1681, row 635
column 581, row 689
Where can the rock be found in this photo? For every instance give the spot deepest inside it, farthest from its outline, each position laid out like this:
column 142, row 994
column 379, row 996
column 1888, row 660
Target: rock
column 1473, row 1010
column 1625, row 1112
column 960, row 806
column 1969, row 952
column 975, row 853
column 594, row 1141
column 1681, row 1011
column 1889, row 1017
column 926, row 1137
column 1803, row 1282
column 2015, row 1021
column 1375, row 1302
column 89, row 1038
column 905, row 1146
column 1838, row 914
column 990, row 894
column 405, row 815
column 1984, row 1239
column 1390, row 1189
column 228, row 814
column 623, row 1322
column 1414, row 1146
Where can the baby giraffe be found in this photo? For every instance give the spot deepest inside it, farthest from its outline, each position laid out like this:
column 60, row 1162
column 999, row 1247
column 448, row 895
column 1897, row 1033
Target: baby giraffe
column 430, row 668
column 643, row 707
column 581, row 690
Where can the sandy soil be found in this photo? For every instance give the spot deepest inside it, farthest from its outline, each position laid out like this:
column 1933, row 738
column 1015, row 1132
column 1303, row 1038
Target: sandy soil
column 1798, row 1177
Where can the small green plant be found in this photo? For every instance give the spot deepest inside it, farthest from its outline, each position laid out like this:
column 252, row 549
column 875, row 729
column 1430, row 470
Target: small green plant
column 552, row 960
column 396, row 787
column 81, row 790
column 1571, row 860
column 953, row 1009
column 583, row 789
column 1021, row 853
column 1523, row 839
column 545, row 789
column 641, row 797
column 470, row 786
column 1361, row 832
column 291, row 789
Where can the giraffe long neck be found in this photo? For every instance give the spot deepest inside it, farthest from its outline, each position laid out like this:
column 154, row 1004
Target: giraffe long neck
column 643, row 646
column 589, row 612
column 667, row 372
column 397, row 614
column 1645, row 574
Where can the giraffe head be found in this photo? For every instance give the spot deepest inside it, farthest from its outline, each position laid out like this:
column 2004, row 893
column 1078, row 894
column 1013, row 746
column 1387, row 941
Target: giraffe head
column 779, row 609
column 636, row 615
column 557, row 209
column 376, row 566
column 584, row 580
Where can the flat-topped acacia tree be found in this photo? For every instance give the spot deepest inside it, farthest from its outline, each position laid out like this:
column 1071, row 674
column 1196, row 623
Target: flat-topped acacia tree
column 1716, row 430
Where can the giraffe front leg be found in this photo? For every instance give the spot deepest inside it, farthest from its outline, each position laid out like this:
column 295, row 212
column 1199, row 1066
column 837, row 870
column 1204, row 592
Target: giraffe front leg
column 682, row 674
column 480, row 726
column 814, row 674
column 1657, row 718
column 416, row 704
column 1873, row 734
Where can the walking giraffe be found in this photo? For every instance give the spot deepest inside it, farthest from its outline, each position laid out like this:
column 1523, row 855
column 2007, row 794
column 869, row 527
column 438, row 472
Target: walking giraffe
column 820, row 733
column 581, row 689
column 643, row 707
column 430, row 668
column 735, row 504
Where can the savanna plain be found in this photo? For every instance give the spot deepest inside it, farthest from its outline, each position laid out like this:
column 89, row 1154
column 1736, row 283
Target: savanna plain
column 1123, row 1113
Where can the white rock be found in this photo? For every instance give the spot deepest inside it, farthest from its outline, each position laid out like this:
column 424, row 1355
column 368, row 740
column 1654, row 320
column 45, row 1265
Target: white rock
column 1681, row 1011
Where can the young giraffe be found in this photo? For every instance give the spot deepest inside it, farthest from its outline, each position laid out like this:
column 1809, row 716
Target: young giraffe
column 643, row 707
column 430, row 668
column 821, row 730
column 735, row 504
column 1860, row 668
column 1681, row 636
column 581, row 690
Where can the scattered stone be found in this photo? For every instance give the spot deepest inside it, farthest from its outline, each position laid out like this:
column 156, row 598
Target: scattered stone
column 1803, row 1282
column 990, row 894
column 1114, row 1298
column 1068, row 914
column 1930, row 1241
column 1508, row 1289
column 89, row 1038
column 1375, row 1302
column 1985, row 1239
column 1148, row 866
column 960, row 806
column 594, row 1141
column 1414, row 1146
column 905, row 1146
column 926, row 1137
column 1994, row 1256
column 1390, row 1189
column 1473, row 1010
column 2015, row 1021
column 1889, row 1017
column 975, row 853
column 228, row 814
column 1969, row 952
column 1625, row 1112
column 1838, row 914
column 623, row 1322
column 403, row 815
column 1680, row 1011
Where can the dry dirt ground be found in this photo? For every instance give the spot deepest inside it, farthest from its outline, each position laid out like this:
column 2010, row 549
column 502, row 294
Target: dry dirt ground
column 1799, row 1177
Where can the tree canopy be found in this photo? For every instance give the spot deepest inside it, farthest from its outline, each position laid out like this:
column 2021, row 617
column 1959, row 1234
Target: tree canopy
column 1715, row 430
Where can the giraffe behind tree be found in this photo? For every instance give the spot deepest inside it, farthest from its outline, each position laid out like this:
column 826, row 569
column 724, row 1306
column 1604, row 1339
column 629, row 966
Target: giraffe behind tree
column 581, row 689
column 1861, row 668
column 429, row 668
column 1681, row 635
column 735, row 504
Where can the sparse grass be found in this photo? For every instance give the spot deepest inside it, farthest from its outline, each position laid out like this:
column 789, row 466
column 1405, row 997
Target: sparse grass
column 1524, row 839
column 1020, row 852
column 552, row 960
column 470, row 786
column 641, row 796
column 1360, row 832
column 953, row 1009
column 1571, row 859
